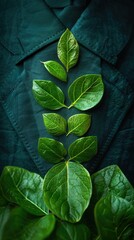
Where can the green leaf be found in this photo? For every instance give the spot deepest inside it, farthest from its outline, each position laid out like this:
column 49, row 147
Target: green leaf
column 24, row 188
column 114, row 216
column 69, row 231
column 55, row 123
column 22, row 226
column 3, row 201
column 86, row 91
column 83, row 149
column 68, row 50
column 56, row 69
column 79, row 124
column 51, row 150
column 111, row 179
column 67, row 190
column 128, row 232
column 48, row 95
column 4, row 215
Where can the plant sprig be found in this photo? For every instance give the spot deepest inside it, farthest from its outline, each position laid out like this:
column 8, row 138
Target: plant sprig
column 84, row 93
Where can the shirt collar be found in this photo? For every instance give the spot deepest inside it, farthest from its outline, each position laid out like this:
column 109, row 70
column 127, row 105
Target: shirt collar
column 58, row 3
column 104, row 28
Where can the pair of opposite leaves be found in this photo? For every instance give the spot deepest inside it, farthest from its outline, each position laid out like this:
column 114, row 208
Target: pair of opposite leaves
column 81, row 150
column 84, row 93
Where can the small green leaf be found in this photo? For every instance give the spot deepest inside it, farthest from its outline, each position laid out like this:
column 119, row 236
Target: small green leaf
column 114, row 217
column 24, row 188
column 48, row 95
column 86, row 91
column 70, row 231
column 56, row 69
column 23, row 226
column 51, row 150
column 83, row 149
column 68, row 50
column 67, row 190
column 78, row 124
column 54, row 123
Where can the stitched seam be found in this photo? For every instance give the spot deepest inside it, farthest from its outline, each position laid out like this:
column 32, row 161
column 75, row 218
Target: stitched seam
column 98, row 159
column 111, row 59
column 122, row 91
column 124, row 78
column 4, row 44
column 26, row 144
column 38, row 46
column 11, row 89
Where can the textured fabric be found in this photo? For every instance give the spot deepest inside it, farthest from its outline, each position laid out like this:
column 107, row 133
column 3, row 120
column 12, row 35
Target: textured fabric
column 29, row 34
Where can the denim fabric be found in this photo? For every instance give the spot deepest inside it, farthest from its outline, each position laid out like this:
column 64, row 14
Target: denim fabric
column 29, row 32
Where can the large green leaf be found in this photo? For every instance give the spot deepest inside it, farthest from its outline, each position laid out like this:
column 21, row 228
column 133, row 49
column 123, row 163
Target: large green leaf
column 3, row 201
column 67, row 190
column 56, row 69
column 128, row 232
column 4, row 215
column 83, row 149
column 55, row 123
column 68, row 50
column 24, row 188
column 114, row 217
column 78, row 124
column 86, row 91
column 48, row 95
column 70, row 231
column 51, row 150
column 112, row 179
column 22, row 226
column 109, row 179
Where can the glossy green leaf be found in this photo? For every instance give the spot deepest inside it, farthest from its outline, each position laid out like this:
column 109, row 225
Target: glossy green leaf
column 67, row 188
column 68, row 50
column 112, row 179
column 3, row 201
column 56, row 69
column 4, row 215
column 54, row 123
column 69, row 231
column 114, row 217
column 128, row 232
column 83, row 149
column 109, row 179
column 51, row 150
column 48, row 95
column 22, row 226
column 24, row 188
column 86, row 91
column 79, row 124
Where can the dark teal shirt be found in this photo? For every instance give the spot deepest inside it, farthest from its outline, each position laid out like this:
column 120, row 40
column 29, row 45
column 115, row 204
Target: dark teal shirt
column 29, row 32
